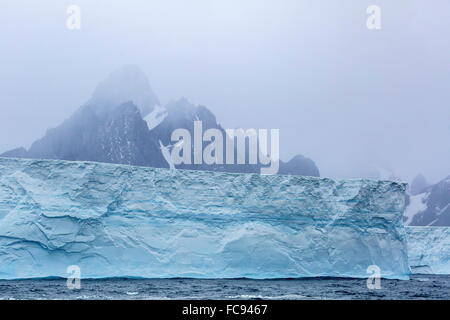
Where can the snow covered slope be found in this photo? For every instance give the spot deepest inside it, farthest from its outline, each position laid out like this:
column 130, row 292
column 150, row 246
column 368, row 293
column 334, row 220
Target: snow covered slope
column 429, row 249
column 118, row 220
column 417, row 203
column 432, row 207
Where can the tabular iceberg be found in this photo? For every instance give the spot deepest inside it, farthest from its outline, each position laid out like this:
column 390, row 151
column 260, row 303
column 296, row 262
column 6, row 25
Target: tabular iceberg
column 429, row 249
column 118, row 220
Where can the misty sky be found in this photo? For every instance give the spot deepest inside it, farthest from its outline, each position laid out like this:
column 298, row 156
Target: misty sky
column 350, row 98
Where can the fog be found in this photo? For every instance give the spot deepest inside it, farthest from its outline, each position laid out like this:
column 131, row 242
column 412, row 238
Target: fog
column 350, row 98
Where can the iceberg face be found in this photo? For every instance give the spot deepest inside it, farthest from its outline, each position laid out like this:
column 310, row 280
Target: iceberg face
column 429, row 249
column 117, row 220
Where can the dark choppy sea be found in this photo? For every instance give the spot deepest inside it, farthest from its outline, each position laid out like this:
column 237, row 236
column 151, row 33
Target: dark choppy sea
column 419, row 287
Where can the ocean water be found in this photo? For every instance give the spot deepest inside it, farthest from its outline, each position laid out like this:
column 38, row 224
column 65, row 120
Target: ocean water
column 419, row 287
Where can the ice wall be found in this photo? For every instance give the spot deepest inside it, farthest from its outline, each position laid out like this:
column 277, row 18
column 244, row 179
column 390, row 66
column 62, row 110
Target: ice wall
column 429, row 249
column 117, row 220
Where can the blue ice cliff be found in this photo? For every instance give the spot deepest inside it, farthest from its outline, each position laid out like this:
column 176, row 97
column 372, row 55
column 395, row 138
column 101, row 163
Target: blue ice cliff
column 429, row 249
column 118, row 220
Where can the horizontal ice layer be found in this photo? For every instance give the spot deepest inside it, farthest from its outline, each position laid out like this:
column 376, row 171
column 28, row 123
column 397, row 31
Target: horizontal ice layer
column 429, row 249
column 117, row 220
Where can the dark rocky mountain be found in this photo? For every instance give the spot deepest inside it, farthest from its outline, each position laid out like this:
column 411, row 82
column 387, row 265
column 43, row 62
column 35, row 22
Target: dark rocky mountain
column 297, row 164
column 118, row 137
column 182, row 114
column 432, row 206
column 123, row 123
column 15, row 153
column 418, row 185
column 128, row 83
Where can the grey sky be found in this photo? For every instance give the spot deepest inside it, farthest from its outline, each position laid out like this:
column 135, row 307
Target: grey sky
column 349, row 98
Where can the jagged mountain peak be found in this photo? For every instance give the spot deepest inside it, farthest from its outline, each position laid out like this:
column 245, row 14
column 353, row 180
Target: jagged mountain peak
column 127, row 83
column 124, row 123
column 418, row 184
column 182, row 111
column 299, row 165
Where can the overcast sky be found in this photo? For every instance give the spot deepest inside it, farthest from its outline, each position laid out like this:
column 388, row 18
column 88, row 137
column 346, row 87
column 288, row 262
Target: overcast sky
column 350, row 98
